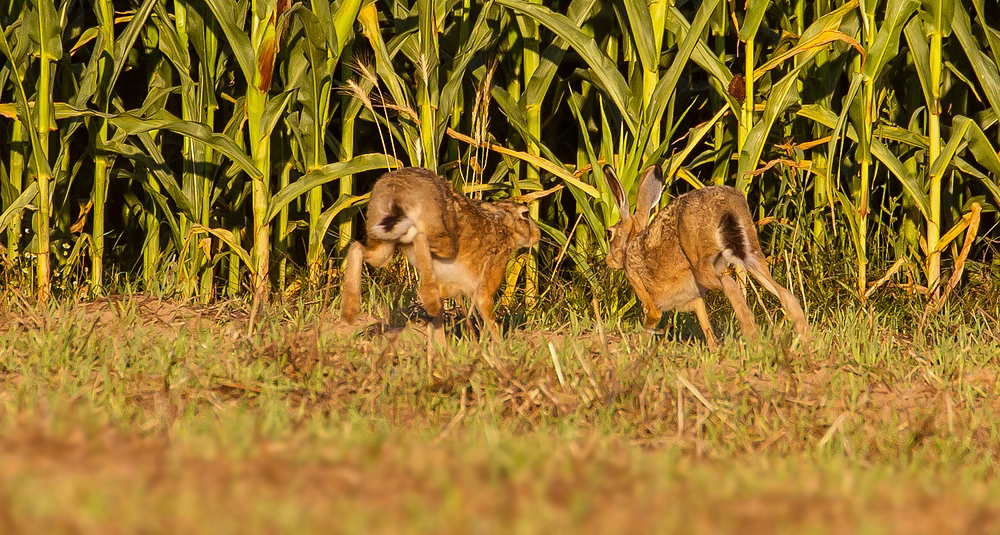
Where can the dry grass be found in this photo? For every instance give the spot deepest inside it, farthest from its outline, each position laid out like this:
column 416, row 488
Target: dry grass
column 131, row 415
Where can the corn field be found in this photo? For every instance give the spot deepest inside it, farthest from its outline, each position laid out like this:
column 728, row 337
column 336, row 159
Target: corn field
column 216, row 148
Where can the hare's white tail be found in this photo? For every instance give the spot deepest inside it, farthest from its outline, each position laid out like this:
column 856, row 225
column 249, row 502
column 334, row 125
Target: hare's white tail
column 736, row 248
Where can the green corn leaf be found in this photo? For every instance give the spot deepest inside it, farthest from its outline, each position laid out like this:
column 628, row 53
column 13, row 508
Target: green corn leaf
column 783, row 94
column 938, row 14
column 752, row 19
column 479, row 38
column 702, row 55
column 886, row 44
column 983, row 151
column 882, row 153
column 44, row 29
column 597, row 224
column 605, row 71
column 694, row 137
column 325, row 174
column 347, row 13
column 18, row 205
column 226, row 236
column 920, row 54
column 326, row 218
column 164, row 120
column 986, row 70
column 274, row 111
column 553, row 54
column 668, row 83
column 239, row 41
column 992, row 34
column 640, row 25
column 21, row 102
column 943, row 160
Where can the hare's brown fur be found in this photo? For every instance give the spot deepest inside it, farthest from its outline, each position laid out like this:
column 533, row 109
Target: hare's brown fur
column 458, row 246
column 683, row 252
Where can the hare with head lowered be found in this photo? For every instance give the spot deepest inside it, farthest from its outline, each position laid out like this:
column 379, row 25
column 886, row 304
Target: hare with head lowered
column 457, row 245
column 672, row 260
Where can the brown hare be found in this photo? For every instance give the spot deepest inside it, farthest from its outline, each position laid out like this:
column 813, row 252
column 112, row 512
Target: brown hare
column 672, row 260
column 457, row 245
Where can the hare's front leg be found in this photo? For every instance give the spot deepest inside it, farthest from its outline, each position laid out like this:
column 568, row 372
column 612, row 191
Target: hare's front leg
column 378, row 254
column 706, row 326
column 653, row 312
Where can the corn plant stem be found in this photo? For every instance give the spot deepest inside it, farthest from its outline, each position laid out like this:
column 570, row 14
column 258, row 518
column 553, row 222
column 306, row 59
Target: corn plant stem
column 934, row 131
column 582, row 237
column 346, row 182
column 101, row 167
column 746, row 113
column 262, row 36
column 314, row 203
column 862, row 245
column 99, row 198
column 314, row 199
column 233, row 276
column 281, row 226
column 800, row 14
column 206, row 86
column 192, row 262
column 42, row 217
column 820, row 169
column 260, row 150
column 458, row 112
column 864, row 185
column 207, row 272
column 15, row 176
column 719, row 135
column 530, row 61
column 651, row 74
column 513, row 88
column 820, row 163
column 427, row 73
column 151, row 248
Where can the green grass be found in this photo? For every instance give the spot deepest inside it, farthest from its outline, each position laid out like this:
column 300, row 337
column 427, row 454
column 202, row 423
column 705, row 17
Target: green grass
column 137, row 415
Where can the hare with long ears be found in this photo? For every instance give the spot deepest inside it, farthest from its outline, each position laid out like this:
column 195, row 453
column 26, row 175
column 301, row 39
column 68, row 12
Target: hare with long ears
column 674, row 259
column 457, row 245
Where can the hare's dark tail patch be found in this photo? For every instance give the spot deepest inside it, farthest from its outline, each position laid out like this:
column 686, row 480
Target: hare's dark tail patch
column 389, row 222
column 392, row 226
column 733, row 239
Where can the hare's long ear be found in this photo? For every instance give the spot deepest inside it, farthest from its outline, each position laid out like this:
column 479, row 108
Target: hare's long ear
column 618, row 191
column 650, row 190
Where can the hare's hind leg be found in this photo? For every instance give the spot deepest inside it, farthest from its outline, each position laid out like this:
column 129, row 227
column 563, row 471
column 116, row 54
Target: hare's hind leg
column 484, row 304
column 378, row 253
column 757, row 267
column 708, row 275
column 430, row 296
